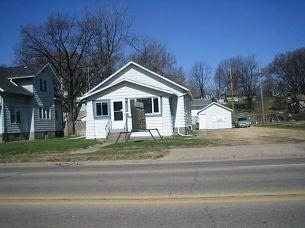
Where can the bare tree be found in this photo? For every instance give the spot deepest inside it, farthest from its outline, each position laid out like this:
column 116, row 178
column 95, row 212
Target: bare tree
column 219, row 85
column 224, row 82
column 76, row 49
column 224, row 77
column 154, row 56
column 289, row 70
column 238, row 75
column 200, row 77
column 64, row 42
column 110, row 27
column 248, row 76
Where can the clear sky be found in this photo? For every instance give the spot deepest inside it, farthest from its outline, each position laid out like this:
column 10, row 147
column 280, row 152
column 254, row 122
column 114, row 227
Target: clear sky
column 194, row 30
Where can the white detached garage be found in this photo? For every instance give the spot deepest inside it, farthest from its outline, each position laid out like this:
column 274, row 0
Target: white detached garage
column 215, row 116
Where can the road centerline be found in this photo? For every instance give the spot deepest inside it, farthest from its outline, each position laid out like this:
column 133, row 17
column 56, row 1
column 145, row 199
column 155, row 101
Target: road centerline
column 113, row 200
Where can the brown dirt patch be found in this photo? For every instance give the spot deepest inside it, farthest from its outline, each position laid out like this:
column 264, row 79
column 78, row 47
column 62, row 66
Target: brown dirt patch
column 253, row 135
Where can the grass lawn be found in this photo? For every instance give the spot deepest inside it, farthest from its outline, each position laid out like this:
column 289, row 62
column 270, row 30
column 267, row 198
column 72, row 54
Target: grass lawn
column 40, row 150
column 61, row 150
column 71, row 150
column 148, row 149
column 55, row 145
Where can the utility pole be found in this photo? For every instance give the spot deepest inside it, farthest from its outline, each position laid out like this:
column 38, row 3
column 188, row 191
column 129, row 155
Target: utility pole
column 88, row 68
column 232, row 91
column 262, row 99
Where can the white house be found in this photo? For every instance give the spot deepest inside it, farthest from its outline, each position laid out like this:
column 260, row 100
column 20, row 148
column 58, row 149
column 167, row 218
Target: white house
column 166, row 103
column 196, row 106
column 215, row 116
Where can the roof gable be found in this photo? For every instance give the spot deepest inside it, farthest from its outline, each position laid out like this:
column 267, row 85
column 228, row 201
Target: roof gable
column 143, row 85
column 125, row 73
column 219, row 105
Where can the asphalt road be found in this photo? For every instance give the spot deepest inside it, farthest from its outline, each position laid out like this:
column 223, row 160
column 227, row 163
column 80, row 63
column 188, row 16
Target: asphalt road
column 266, row 193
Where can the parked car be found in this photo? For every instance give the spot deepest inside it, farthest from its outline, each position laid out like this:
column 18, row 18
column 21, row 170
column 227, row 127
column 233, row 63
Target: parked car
column 242, row 122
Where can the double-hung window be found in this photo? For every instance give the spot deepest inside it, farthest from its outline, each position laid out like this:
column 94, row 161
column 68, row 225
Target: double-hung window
column 43, row 85
column 44, row 113
column 151, row 105
column 101, row 109
column 15, row 115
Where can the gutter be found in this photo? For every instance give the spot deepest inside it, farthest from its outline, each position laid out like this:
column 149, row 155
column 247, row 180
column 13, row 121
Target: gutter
column 2, row 117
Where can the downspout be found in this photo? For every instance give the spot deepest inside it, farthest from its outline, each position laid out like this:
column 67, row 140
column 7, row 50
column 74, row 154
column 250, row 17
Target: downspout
column 2, row 118
column 126, row 115
column 180, row 134
column 93, row 107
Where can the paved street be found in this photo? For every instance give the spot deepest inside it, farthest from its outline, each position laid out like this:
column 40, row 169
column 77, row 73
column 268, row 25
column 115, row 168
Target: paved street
column 268, row 193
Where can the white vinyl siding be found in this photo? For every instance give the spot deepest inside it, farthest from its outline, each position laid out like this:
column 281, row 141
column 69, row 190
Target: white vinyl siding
column 180, row 114
column 187, row 111
column 215, row 117
column 120, row 87
column 137, row 75
column 95, row 128
column 194, row 115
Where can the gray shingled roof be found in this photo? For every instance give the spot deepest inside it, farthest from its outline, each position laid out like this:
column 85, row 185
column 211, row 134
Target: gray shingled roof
column 200, row 103
column 7, row 73
column 9, row 87
column 20, row 71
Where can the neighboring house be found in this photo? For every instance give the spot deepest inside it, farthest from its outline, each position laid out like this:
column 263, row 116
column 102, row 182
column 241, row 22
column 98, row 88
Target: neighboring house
column 227, row 97
column 301, row 104
column 196, row 106
column 30, row 103
column 82, row 114
column 80, row 123
column 215, row 116
column 109, row 104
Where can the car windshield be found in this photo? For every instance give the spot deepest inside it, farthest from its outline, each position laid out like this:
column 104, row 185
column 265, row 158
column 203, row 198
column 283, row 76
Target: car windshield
column 242, row 119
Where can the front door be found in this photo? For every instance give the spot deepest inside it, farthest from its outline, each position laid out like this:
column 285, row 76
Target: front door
column 118, row 116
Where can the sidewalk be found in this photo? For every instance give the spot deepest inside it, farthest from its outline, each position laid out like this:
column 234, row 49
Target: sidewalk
column 262, row 151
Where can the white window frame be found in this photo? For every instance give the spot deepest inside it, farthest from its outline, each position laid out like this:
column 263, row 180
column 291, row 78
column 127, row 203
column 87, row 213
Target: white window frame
column 153, row 111
column 44, row 113
column 101, row 102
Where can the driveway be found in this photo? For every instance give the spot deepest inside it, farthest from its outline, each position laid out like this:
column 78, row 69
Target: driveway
column 253, row 136
column 244, row 143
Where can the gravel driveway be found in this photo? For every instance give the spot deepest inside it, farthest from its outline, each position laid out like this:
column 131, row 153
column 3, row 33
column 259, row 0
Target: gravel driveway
column 253, row 136
column 245, row 143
